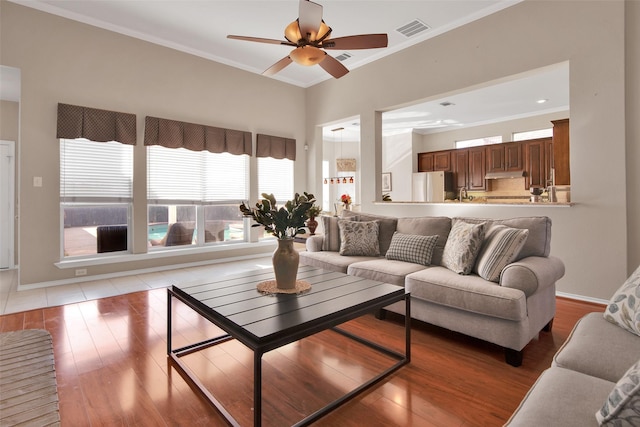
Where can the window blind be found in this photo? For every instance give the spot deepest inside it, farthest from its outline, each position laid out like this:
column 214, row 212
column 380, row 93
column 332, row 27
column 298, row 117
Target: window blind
column 178, row 175
column 275, row 176
column 95, row 171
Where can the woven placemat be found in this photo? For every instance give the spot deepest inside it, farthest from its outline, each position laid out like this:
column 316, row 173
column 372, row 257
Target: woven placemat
column 271, row 287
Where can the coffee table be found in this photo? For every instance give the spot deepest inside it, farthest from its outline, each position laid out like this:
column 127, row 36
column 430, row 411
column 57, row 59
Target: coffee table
column 266, row 322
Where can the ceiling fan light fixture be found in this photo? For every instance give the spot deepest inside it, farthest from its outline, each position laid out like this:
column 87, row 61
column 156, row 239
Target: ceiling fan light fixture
column 292, row 32
column 307, row 55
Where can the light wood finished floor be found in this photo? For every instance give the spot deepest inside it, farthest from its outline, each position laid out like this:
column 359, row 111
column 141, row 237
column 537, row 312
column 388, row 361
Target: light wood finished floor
column 112, row 369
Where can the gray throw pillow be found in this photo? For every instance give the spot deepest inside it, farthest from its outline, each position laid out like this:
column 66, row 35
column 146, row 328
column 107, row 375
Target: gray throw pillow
column 358, row 238
column 623, row 404
column 624, row 306
column 411, row 248
column 501, row 247
column 462, row 247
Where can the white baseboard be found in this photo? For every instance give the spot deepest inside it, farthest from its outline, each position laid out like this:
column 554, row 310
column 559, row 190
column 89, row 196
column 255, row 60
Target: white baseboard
column 83, row 279
column 582, row 298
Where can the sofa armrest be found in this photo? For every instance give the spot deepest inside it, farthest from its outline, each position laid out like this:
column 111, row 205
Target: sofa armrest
column 314, row 243
column 532, row 273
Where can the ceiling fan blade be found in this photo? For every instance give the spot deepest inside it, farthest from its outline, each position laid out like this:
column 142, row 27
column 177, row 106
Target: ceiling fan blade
column 362, row 41
column 309, row 18
column 261, row 40
column 277, row 67
column 334, row 67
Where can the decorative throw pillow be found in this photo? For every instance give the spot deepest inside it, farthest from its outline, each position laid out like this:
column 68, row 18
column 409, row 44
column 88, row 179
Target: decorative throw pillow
column 411, row 248
column 462, row 247
column 331, row 233
column 501, row 246
column 358, row 238
column 624, row 306
column 622, row 407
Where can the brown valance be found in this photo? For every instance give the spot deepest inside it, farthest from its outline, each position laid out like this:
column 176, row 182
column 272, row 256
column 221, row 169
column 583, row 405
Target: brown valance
column 276, row 147
column 96, row 125
column 175, row 134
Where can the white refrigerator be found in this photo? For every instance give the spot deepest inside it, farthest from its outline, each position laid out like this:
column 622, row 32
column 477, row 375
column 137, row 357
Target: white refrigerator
column 429, row 186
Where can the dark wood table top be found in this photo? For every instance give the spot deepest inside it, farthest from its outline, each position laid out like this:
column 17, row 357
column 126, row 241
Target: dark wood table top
column 264, row 322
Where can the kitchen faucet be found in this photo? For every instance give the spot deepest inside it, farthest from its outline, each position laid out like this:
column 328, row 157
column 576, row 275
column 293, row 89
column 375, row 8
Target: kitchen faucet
column 463, row 193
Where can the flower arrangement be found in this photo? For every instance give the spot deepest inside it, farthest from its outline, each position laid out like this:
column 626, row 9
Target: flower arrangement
column 283, row 222
column 314, row 211
column 345, row 199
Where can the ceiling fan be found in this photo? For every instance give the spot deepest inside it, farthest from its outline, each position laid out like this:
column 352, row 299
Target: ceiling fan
column 310, row 35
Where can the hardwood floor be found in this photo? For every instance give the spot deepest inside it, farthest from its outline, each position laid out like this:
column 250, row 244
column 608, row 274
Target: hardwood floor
column 112, row 369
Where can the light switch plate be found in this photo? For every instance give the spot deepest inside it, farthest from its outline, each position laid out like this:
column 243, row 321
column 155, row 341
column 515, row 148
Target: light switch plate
column 37, row 181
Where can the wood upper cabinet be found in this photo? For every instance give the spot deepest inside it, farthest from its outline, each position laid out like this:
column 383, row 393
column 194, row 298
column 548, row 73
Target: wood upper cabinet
column 425, row 162
column 536, row 162
column 435, row 161
column 561, row 152
column 477, row 169
column 460, row 167
column 442, row 161
column 505, row 157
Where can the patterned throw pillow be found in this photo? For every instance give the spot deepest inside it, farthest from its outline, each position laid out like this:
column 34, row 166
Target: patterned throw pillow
column 501, row 247
column 411, row 248
column 622, row 407
column 624, row 306
column 462, row 247
column 358, row 238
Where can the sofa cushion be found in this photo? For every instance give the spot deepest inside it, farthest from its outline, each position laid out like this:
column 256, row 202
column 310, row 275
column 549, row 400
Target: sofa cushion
column 598, row 348
column 462, row 246
column 329, row 260
column 624, row 307
column 428, row 226
column 384, row 270
column 387, row 226
column 623, row 404
column 359, row 238
column 411, row 248
column 539, row 241
column 561, row 397
column 500, row 247
column 470, row 293
column 331, row 238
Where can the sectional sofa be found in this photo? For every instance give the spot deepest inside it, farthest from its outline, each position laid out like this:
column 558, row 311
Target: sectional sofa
column 594, row 379
column 493, row 279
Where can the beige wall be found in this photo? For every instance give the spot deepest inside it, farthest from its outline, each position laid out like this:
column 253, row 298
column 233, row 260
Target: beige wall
column 632, row 40
column 65, row 61
column 590, row 237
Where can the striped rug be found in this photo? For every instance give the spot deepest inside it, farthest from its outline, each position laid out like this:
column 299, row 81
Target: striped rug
column 28, row 391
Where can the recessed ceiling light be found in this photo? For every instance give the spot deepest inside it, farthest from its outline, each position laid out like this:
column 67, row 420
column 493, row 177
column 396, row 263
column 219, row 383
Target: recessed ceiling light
column 541, row 101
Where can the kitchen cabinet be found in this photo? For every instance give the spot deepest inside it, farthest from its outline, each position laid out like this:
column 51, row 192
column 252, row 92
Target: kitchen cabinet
column 470, row 168
column 435, row 161
column 477, row 169
column 505, row 157
column 535, row 154
column 561, row 152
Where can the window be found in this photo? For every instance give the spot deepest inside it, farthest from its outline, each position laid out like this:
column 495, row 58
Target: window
column 275, row 176
column 96, row 187
column 478, row 141
column 193, row 196
column 532, row 134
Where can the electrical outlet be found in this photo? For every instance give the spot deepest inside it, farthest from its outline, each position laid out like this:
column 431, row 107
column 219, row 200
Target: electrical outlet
column 81, row 272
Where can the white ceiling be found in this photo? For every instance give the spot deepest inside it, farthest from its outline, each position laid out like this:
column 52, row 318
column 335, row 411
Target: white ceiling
column 200, row 27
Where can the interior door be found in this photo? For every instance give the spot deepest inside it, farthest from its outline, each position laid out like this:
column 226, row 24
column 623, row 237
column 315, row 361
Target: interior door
column 7, row 178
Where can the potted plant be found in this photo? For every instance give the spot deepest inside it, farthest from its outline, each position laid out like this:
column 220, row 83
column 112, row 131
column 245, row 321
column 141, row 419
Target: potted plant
column 312, row 224
column 284, row 223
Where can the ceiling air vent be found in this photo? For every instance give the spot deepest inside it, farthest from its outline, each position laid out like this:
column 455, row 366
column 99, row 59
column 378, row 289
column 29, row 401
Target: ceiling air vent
column 412, row 28
column 343, row 57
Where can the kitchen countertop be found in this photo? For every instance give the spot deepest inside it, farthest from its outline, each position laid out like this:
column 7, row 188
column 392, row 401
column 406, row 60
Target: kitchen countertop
column 483, row 203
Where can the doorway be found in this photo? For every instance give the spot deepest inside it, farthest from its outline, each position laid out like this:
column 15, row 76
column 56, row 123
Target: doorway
column 7, row 201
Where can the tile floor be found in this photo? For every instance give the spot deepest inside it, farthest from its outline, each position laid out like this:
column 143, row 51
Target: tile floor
column 13, row 301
